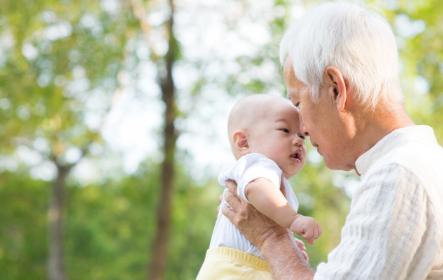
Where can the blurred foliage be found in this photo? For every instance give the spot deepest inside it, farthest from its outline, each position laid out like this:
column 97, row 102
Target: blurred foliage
column 418, row 26
column 109, row 224
column 58, row 59
column 23, row 226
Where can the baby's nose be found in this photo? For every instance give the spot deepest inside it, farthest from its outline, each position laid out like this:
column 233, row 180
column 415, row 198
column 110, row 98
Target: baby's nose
column 298, row 139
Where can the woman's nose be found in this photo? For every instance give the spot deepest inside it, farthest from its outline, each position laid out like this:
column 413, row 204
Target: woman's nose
column 303, row 129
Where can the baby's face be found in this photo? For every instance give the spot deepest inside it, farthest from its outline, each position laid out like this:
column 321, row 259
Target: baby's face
column 278, row 137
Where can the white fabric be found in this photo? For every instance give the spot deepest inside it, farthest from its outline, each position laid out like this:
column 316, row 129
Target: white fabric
column 394, row 229
column 246, row 169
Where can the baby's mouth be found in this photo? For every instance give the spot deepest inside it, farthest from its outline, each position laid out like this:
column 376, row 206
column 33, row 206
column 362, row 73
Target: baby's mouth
column 297, row 155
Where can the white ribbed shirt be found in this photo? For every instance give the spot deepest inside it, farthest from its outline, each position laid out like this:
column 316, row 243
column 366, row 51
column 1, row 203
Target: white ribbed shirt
column 245, row 170
column 394, row 229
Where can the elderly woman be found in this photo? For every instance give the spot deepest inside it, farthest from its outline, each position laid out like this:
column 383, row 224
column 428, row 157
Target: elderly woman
column 341, row 71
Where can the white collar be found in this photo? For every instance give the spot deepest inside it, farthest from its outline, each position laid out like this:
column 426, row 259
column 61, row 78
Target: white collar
column 396, row 138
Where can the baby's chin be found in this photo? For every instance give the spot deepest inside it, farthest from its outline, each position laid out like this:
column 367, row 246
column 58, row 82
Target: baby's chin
column 292, row 172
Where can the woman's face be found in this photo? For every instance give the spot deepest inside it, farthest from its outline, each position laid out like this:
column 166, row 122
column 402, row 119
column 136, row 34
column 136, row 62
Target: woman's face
column 321, row 121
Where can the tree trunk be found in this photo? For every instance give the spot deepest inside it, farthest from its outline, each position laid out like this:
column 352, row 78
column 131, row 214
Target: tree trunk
column 56, row 269
column 157, row 265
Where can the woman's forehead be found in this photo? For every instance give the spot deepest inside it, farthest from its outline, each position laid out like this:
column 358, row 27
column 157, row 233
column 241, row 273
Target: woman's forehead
column 295, row 88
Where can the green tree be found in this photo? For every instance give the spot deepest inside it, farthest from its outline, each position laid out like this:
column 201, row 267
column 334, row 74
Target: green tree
column 165, row 66
column 418, row 28
column 108, row 226
column 23, row 226
column 57, row 75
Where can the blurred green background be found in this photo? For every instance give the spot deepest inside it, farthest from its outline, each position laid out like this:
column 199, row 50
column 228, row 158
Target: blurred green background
column 112, row 127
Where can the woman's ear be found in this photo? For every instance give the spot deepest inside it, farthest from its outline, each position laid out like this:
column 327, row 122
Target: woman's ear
column 337, row 87
column 240, row 140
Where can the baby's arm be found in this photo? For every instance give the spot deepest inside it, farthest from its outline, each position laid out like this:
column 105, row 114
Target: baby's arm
column 272, row 203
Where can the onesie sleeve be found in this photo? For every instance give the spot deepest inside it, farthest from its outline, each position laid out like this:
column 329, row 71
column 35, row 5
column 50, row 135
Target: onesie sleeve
column 249, row 168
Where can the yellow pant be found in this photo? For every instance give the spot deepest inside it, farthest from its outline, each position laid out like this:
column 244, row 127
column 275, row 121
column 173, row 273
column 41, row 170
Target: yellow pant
column 228, row 264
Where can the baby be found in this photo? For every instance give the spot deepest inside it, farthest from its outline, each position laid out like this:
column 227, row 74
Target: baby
column 265, row 138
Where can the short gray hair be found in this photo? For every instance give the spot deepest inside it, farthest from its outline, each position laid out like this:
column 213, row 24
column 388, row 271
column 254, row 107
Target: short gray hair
column 359, row 42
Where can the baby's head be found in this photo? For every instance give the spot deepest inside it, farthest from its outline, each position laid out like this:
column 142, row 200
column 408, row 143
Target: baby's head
column 269, row 125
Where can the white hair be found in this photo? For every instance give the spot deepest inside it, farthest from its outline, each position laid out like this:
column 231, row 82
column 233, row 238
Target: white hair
column 360, row 43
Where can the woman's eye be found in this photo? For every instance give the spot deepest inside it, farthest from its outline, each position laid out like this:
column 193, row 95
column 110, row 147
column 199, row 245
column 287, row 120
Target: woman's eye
column 285, row 130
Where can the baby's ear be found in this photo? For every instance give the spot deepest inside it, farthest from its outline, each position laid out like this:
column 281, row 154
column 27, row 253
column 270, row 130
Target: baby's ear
column 240, row 140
